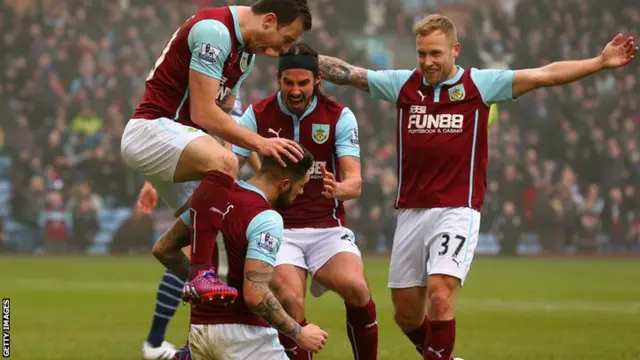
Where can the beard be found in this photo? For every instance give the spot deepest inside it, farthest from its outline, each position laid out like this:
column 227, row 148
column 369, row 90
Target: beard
column 283, row 201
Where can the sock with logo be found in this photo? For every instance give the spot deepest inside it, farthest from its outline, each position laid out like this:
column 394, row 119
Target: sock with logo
column 362, row 329
column 209, row 204
column 294, row 352
column 418, row 335
column 168, row 298
column 440, row 339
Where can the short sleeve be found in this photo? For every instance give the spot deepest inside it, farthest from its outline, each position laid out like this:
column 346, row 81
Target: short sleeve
column 494, row 85
column 347, row 140
column 210, row 45
column 386, row 84
column 247, row 120
column 264, row 235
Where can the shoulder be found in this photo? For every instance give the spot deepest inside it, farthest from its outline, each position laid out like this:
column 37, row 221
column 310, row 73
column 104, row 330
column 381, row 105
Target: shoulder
column 262, row 104
column 330, row 104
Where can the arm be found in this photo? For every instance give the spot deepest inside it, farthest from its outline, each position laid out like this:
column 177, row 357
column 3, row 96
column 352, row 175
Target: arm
column 340, row 72
column 168, row 250
column 264, row 235
column 348, row 154
column 249, row 121
column 210, row 45
column 617, row 53
column 261, row 300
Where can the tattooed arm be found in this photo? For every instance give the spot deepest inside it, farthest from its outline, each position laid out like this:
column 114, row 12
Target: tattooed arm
column 168, row 250
column 340, row 72
column 261, row 300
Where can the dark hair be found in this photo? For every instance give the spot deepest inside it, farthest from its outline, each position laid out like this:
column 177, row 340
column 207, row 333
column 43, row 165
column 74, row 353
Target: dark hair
column 294, row 171
column 287, row 11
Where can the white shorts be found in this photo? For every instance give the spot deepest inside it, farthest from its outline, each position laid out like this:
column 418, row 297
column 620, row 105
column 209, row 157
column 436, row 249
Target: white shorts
column 432, row 241
column 153, row 148
column 234, row 342
column 311, row 248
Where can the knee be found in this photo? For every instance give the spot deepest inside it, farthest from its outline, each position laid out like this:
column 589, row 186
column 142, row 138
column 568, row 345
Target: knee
column 293, row 304
column 357, row 294
column 229, row 164
column 441, row 299
column 407, row 319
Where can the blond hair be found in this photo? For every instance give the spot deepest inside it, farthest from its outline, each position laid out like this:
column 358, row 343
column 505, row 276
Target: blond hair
column 435, row 22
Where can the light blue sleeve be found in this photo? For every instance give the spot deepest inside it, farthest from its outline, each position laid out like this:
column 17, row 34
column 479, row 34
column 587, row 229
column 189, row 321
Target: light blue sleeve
column 243, row 77
column 248, row 120
column 347, row 141
column 494, row 85
column 386, row 84
column 210, row 45
column 264, row 235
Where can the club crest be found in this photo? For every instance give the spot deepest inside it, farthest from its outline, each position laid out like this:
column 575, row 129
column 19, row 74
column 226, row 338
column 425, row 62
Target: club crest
column 320, row 133
column 244, row 62
column 457, row 93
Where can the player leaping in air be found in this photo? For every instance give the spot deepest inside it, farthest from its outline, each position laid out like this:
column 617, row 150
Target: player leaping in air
column 245, row 255
column 188, row 95
column 316, row 241
column 442, row 115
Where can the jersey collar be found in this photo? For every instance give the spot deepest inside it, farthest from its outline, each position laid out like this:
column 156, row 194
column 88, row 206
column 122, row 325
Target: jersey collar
column 306, row 113
column 250, row 187
column 236, row 24
column 451, row 81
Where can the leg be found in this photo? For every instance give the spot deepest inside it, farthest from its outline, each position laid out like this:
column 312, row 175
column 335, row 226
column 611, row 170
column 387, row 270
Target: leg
column 408, row 275
column 344, row 274
column 289, row 284
column 451, row 249
column 168, row 298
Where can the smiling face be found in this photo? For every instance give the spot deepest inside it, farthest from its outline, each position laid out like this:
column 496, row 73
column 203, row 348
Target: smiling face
column 297, row 86
column 436, row 48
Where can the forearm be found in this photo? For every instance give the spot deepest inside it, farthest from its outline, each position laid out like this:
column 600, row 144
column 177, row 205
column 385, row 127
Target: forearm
column 217, row 122
column 349, row 188
column 272, row 312
column 564, row 72
column 340, row 72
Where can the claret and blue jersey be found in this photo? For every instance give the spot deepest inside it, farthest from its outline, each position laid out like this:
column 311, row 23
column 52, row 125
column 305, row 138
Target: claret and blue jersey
column 250, row 230
column 442, row 133
column 329, row 130
column 211, row 43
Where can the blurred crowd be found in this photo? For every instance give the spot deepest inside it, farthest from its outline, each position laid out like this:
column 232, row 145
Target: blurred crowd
column 564, row 162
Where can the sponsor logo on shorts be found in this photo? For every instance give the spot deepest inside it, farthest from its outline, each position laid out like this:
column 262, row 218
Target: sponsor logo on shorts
column 209, row 54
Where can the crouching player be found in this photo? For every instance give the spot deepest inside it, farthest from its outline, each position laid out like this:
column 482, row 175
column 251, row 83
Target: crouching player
column 244, row 257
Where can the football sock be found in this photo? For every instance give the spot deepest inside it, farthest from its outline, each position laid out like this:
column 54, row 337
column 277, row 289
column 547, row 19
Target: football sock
column 168, row 298
column 209, row 204
column 418, row 335
column 440, row 339
column 362, row 329
column 294, row 351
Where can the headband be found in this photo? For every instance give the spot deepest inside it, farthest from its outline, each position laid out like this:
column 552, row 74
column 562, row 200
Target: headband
column 305, row 62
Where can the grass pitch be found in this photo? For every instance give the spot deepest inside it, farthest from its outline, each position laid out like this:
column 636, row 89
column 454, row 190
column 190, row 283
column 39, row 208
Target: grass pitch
column 68, row 308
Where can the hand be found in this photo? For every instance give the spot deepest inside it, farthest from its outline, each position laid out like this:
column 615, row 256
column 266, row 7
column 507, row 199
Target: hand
column 276, row 147
column 330, row 183
column 618, row 52
column 312, row 338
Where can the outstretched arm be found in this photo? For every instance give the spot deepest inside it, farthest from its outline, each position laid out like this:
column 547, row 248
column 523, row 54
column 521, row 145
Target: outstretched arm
column 617, row 53
column 340, row 72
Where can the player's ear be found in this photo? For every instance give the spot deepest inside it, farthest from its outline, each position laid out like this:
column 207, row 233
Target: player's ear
column 269, row 21
column 285, row 185
column 456, row 49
